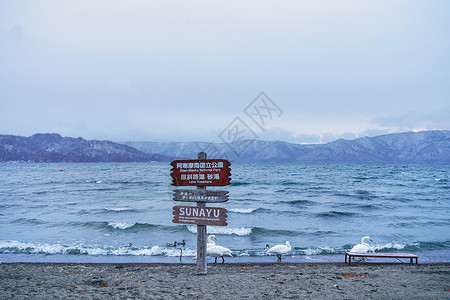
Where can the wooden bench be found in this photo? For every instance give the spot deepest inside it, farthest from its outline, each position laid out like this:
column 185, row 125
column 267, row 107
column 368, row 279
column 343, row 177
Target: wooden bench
column 380, row 255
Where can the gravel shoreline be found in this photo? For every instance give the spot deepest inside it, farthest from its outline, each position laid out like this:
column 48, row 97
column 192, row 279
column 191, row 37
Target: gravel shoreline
column 224, row 281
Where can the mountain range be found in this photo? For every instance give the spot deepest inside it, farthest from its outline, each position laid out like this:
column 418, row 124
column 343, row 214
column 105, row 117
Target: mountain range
column 407, row 147
column 51, row 147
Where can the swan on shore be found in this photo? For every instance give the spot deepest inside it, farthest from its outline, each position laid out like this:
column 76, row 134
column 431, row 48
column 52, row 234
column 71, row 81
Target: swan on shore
column 215, row 250
column 218, row 251
column 363, row 247
column 279, row 249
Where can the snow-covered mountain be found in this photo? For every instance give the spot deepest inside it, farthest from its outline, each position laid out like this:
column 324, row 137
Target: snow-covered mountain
column 408, row 147
column 51, row 147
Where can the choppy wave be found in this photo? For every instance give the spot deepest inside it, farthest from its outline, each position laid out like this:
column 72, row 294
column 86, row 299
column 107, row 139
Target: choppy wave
column 119, row 209
column 136, row 226
column 29, row 221
column 289, row 183
column 123, row 225
column 300, row 202
column 130, row 182
column 441, row 180
column 273, row 232
column 16, row 247
column 325, row 233
column 359, row 206
column 413, row 246
column 238, row 183
column 40, row 192
column 387, row 247
column 105, row 210
column 245, row 231
column 295, row 202
column 335, row 214
column 240, row 231
column 242, row 210
column 4, row 206
column 319, row 250
column 393, row 246
column 360, row 195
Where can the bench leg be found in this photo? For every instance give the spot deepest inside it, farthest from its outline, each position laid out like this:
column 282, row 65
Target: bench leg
column 345, row 257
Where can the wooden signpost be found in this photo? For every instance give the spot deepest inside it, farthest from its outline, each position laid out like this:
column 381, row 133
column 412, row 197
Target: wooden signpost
column 200, row 173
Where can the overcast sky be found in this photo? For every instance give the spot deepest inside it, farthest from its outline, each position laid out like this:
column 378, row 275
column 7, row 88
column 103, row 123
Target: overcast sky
column 185, row 70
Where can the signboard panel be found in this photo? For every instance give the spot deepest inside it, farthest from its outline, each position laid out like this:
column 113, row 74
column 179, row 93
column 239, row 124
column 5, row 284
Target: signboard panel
column 206, row 196
column 200, row 215
column 207, row 172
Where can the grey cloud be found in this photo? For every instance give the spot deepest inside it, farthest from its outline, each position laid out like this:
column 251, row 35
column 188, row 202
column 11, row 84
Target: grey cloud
column 416, row 120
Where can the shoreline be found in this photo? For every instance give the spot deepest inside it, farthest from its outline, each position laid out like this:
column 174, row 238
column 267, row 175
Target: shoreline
column 224, row 281
column 234, row 264
column 427, row 257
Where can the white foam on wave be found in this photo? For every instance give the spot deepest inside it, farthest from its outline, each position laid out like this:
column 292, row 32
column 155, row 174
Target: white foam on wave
column 45, row 248
column 140, row 251
column 242, row 210
column 155, row 250
column 16, row 246
column 177, row 251
column 240, row 231
column 121, row 225
column 118, row 208
column 318, row 250
column 393, row 245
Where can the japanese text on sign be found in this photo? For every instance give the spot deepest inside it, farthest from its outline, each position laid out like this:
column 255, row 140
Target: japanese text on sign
column 215, row 172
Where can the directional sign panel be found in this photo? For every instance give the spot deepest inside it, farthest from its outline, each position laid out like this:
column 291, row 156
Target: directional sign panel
column 208, row 172
column 200, row 215
column 207, row 196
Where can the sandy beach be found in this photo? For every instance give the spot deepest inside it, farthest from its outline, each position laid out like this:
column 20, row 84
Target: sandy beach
column 224, row 281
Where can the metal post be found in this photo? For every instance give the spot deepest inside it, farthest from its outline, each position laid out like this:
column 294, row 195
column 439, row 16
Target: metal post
column 201, row 234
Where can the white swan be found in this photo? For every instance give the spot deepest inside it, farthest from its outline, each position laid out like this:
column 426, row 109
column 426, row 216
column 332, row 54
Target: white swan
column 279, row 249
column 218, row 251
column 363, row 247
column 209, row 243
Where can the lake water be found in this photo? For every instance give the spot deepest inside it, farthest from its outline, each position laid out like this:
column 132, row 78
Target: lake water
column 76, row 212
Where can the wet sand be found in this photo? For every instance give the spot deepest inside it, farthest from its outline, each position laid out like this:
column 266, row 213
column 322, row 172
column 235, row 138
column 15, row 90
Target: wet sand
column 224, row 281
